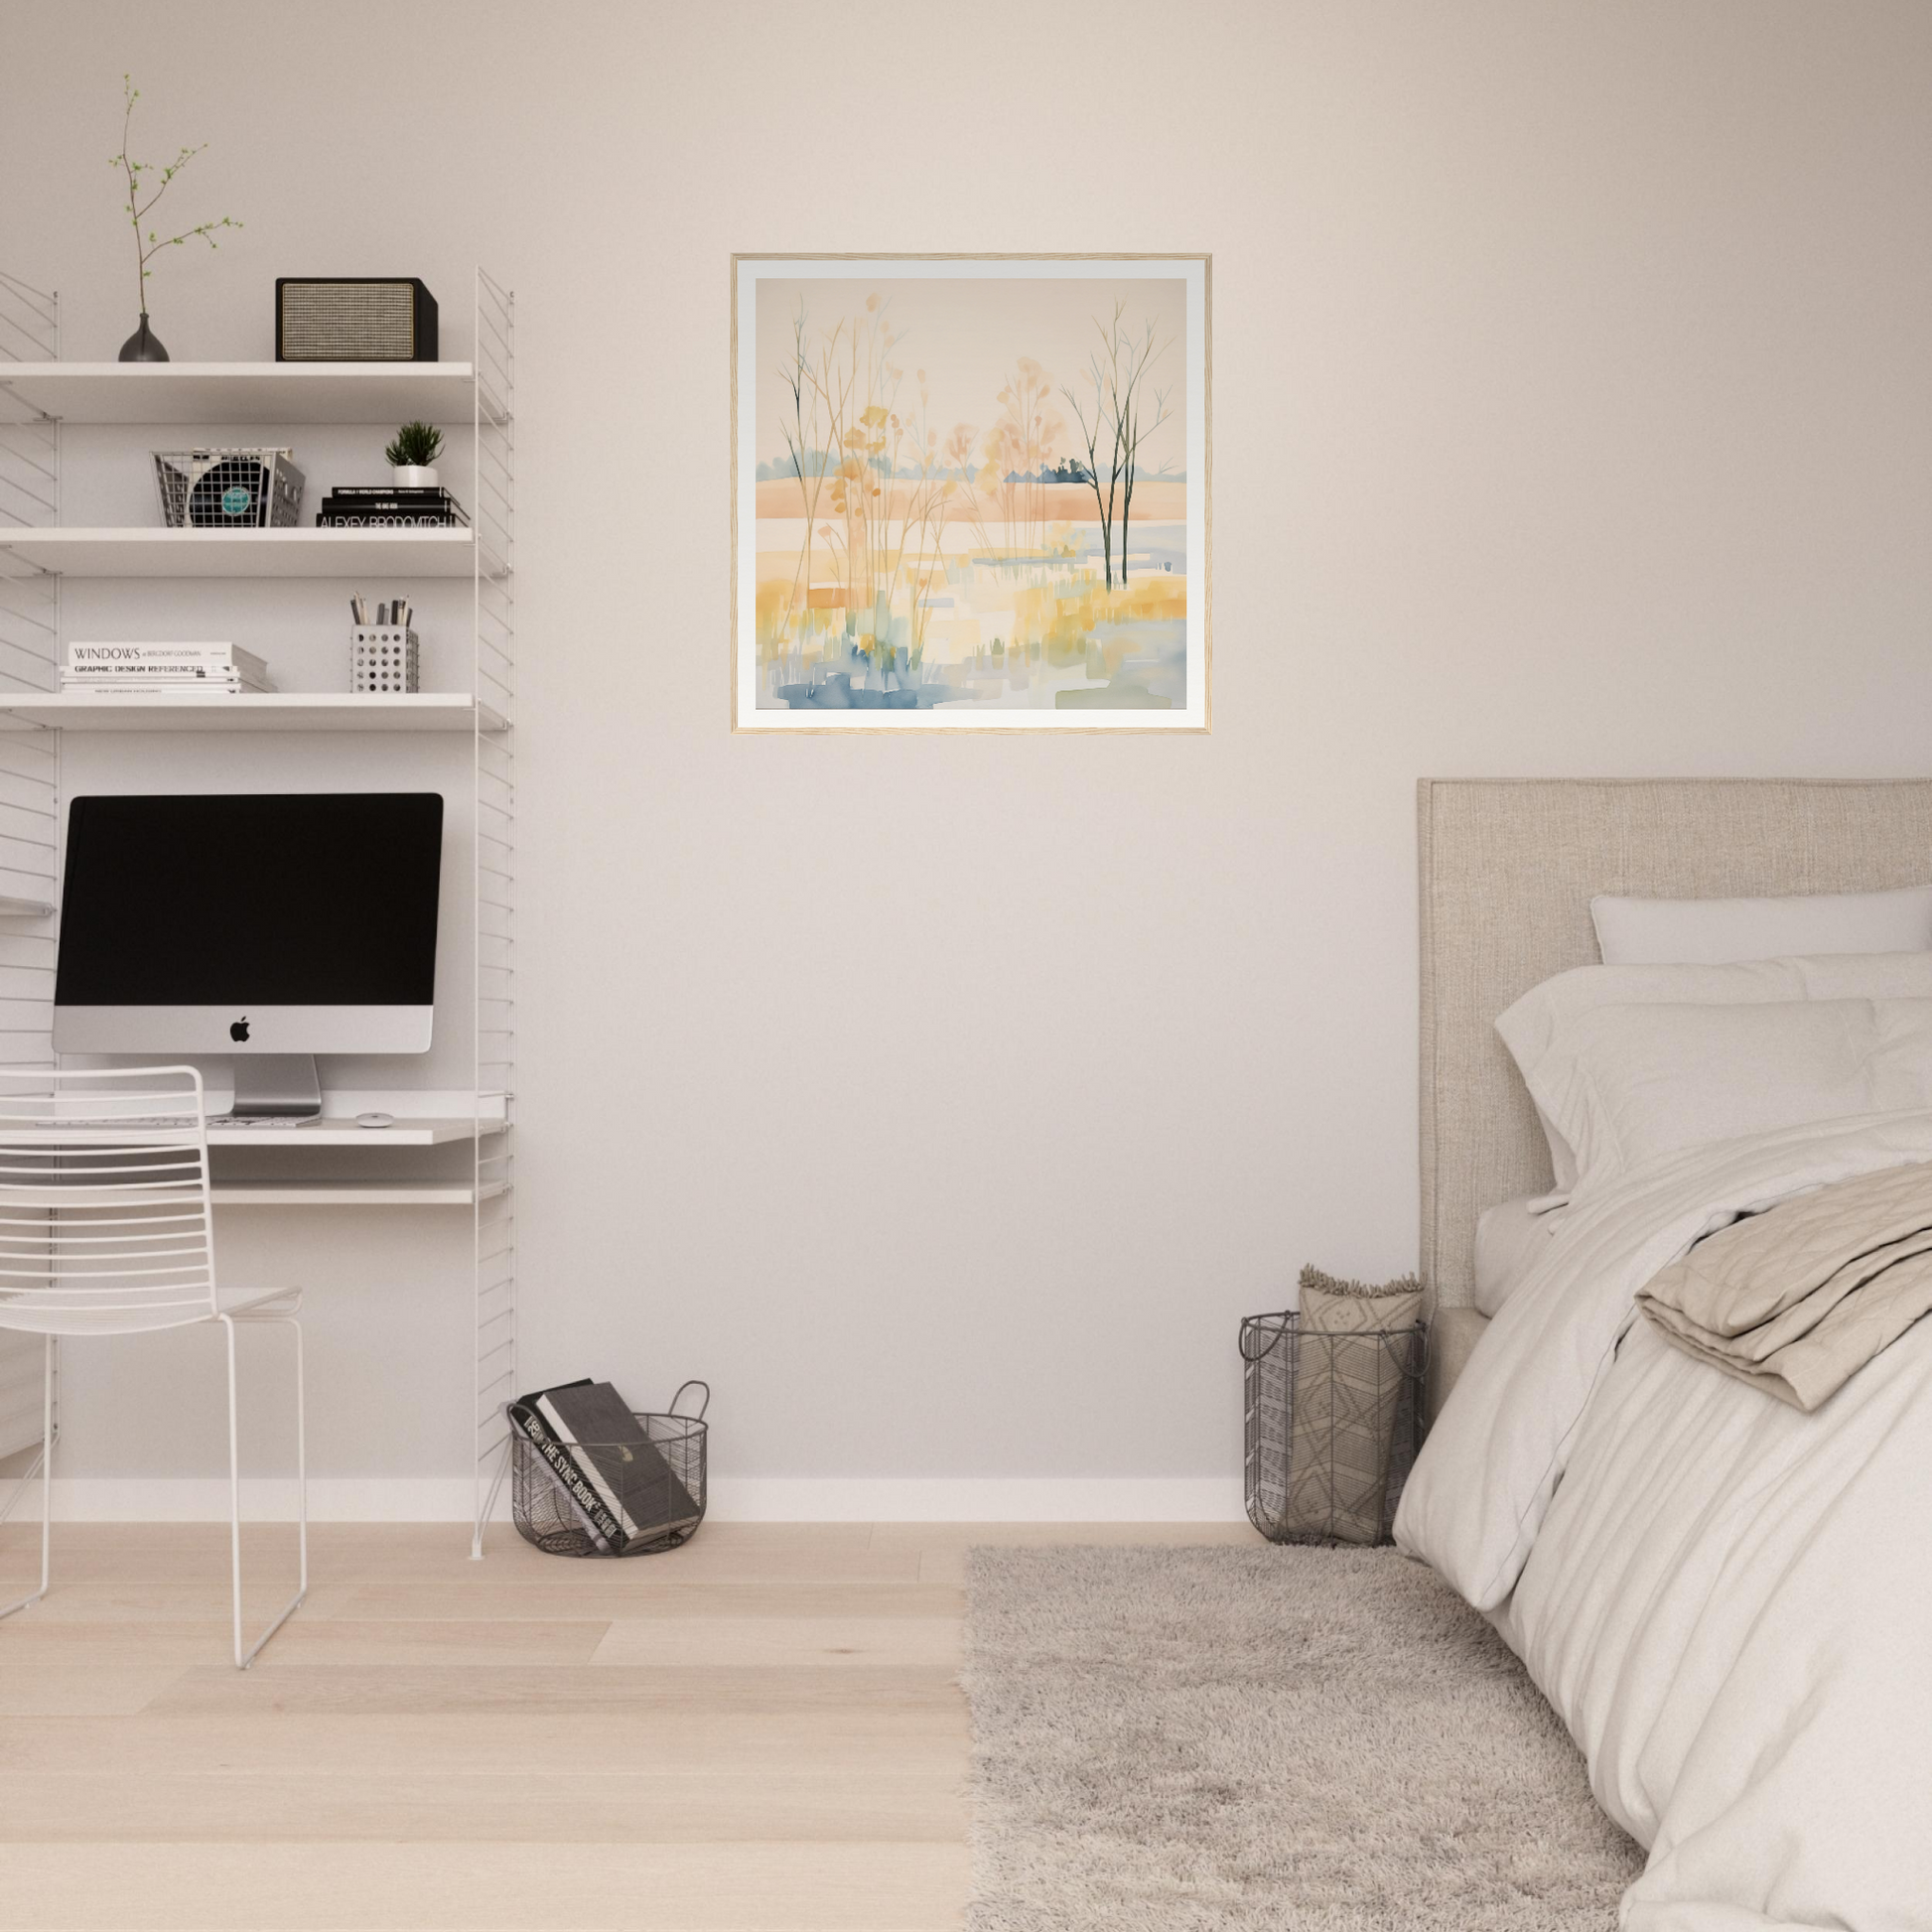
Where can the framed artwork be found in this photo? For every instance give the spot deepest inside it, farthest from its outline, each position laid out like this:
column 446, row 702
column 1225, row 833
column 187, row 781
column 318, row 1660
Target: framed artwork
column 970, row 493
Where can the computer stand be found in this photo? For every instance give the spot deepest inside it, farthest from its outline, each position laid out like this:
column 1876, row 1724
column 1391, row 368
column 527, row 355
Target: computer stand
column 276, row 1086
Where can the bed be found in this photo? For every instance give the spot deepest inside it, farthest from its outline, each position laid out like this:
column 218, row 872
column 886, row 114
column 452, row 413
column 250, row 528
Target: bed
column 1728, row 1601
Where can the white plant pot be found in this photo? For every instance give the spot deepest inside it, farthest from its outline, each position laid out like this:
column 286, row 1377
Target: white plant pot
column 413, row 476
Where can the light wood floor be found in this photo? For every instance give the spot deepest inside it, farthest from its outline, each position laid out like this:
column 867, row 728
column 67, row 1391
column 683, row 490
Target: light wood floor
column 759, row 1732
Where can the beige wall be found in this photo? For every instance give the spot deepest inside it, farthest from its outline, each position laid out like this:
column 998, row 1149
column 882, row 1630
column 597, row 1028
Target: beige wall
column 1572, row 414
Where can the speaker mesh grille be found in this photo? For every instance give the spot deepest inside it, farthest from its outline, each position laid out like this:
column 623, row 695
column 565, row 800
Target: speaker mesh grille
column 349, row 322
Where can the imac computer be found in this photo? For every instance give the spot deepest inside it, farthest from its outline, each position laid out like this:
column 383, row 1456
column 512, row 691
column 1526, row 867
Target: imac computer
column 269, row 927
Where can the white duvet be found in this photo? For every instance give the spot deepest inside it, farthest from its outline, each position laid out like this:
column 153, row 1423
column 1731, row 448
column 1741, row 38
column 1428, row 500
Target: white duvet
column 1728, row 1601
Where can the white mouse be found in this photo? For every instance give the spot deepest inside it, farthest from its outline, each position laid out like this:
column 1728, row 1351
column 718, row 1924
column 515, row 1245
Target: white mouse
column 375, row 1120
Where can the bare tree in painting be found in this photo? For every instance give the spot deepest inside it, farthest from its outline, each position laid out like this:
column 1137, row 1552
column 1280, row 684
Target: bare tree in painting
column 1119, row 423
column 1097, row 435
column 809, row 463
column 1134, row 429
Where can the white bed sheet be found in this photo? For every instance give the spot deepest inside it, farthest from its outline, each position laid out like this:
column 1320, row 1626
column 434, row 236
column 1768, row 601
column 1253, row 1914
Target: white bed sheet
column 1729, row 1603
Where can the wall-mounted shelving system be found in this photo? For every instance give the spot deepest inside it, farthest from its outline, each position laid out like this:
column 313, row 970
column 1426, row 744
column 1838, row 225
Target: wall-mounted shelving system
column 38, row 394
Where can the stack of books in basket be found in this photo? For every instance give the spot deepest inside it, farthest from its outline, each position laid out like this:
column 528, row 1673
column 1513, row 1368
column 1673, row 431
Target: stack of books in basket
column 613, row 1478
column 123, row 669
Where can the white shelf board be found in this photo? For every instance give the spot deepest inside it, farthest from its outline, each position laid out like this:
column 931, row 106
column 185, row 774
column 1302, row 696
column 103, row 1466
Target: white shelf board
column 243, row 392
column 348, row 1193
column 302, row 552
column 255, row 711
column 334, row 1131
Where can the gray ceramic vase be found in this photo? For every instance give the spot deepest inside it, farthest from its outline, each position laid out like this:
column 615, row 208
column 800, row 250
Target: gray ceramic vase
column 144, row 345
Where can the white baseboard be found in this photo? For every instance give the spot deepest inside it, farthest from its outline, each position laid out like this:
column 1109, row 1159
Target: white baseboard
column 733, row 1499
column 977, row 1499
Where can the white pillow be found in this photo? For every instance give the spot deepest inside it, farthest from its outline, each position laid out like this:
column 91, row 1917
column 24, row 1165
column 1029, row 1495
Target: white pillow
column 1530, row 1028
column 1628, row 1083
column 1715, row 931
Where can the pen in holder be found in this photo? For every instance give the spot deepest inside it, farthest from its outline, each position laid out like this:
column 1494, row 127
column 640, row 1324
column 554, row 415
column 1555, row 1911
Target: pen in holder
column 382, row 657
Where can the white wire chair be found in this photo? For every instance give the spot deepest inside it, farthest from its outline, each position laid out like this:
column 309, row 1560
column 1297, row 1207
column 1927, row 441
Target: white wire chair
column 106, row 1229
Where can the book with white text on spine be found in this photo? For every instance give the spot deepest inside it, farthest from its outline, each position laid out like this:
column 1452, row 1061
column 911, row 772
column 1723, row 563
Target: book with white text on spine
column 584, row 1503
column 629, row 1473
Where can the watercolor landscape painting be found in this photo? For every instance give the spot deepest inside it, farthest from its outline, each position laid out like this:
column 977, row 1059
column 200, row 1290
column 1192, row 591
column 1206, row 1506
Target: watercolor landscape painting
column 970, row 493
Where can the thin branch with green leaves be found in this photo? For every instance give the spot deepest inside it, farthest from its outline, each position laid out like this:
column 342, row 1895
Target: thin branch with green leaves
column 147, row 243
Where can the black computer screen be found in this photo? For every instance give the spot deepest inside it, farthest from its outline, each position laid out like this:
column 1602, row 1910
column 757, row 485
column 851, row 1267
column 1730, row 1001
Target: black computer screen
column 263, row 898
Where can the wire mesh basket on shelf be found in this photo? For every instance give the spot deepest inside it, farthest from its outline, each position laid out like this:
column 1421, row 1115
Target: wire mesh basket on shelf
column 1333, row 1424
column 658, row 1499
column 228, row 489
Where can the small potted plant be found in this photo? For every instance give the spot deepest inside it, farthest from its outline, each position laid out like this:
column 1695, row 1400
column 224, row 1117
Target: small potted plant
column 412, row 455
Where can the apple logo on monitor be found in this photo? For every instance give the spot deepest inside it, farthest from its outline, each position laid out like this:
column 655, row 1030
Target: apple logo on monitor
column 239, row 1031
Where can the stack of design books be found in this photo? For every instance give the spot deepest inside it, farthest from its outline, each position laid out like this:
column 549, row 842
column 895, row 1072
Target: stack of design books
column 618, row 1483
column 381, row 507
column 122, row 669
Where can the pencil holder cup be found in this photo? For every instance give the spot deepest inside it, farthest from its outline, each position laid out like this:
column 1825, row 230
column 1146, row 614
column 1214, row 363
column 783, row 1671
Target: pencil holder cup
column 382, row 658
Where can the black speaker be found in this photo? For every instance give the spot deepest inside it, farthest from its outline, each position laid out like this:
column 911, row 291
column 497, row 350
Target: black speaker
column 353, row 318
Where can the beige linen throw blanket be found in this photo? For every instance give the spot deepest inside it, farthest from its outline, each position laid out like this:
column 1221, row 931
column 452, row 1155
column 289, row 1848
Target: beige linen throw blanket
column 1797, row 1300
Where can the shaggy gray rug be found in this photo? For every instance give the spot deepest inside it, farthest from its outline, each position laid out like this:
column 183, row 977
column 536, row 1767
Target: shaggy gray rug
column 1300, row 1739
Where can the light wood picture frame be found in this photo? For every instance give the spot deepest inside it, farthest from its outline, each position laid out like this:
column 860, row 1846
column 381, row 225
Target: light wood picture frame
column 971, row 492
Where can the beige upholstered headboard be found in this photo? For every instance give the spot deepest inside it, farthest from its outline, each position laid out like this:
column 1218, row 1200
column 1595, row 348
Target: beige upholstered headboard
column 1507, row 869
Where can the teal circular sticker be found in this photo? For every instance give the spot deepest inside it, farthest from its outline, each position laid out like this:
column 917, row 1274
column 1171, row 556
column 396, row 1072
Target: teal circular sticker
column 235, row 501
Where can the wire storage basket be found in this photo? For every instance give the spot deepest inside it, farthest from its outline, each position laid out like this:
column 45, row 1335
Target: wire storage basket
column 1334, row 1423
column 653, row 1491
column 228, row 489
